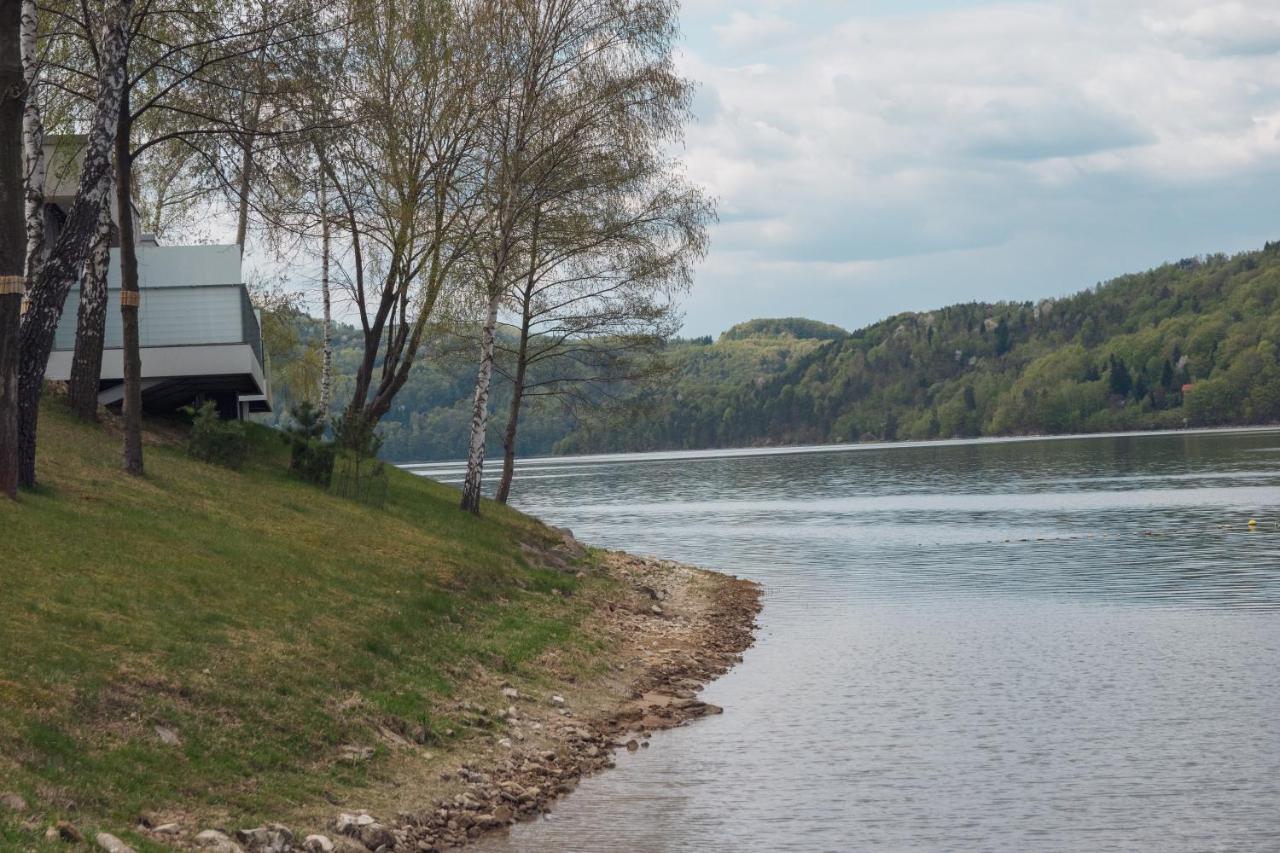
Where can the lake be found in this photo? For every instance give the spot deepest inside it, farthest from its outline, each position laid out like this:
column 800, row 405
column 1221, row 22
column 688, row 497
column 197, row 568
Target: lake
column 1029, row 645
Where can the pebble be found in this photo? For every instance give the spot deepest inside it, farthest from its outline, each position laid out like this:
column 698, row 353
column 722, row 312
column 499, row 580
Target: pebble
column 13, row 802
column 111, row 844
column 168, row 736
column 351, row 824
column 272, row 838
column 216, row 842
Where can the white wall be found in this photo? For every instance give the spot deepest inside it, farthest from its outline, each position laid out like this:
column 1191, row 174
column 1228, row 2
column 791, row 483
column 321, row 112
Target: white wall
column 202, row 314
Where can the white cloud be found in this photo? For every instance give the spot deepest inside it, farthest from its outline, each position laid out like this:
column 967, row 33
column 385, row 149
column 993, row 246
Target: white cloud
column 1223, row 29
column 901, row 140
column 747, row 31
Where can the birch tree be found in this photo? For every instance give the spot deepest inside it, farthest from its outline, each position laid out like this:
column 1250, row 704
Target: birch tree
column 595, row 303
column 573, row 74
column 32, row 141
column 64, row 262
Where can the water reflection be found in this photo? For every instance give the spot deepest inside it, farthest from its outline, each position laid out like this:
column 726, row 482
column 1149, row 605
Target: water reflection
column 1032, row 645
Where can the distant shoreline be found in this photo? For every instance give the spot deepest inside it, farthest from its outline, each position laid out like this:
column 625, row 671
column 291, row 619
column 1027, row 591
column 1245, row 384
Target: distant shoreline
column 426, row 468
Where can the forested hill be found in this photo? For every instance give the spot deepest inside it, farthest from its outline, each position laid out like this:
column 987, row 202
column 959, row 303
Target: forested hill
column 1115, row 357
column 1190, row 343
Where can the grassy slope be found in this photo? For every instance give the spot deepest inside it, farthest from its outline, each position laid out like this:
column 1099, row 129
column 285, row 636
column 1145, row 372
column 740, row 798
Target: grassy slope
column 263, row 620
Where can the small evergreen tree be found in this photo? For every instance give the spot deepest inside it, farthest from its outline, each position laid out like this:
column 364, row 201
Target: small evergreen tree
column 1003, row 344
column 1121, row 382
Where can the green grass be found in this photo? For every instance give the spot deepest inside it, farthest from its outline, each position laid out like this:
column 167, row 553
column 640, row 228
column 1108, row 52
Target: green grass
column 265, row 621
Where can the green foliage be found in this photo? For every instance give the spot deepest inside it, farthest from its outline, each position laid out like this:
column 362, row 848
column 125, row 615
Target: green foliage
column 359, row 478
column 214, row 440
column 1110, row 358
column 794, row 327
column 310, row 456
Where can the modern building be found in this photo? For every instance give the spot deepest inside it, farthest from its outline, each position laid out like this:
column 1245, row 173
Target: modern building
column 200, row 334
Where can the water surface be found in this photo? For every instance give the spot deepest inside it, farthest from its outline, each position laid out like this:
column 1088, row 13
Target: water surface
column 1050, row 645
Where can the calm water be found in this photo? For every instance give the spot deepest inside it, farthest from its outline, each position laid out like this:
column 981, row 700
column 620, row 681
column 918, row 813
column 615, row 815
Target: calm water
column 1061, row 645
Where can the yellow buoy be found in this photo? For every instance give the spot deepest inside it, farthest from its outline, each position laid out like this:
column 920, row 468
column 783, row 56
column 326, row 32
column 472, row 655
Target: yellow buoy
column 1253, row 522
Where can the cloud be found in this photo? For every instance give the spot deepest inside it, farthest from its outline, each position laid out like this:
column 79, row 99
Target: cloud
column 922, row 148
column 1223, row 29
column 746, row 31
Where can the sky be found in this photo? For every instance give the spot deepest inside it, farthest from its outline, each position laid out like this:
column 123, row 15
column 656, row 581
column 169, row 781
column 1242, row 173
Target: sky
column 870, row 157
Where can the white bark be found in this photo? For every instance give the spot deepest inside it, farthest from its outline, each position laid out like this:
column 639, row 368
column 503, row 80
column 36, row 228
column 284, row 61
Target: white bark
column 326, row 365
column 480, row 408
column 32, row 143
column 65, row 262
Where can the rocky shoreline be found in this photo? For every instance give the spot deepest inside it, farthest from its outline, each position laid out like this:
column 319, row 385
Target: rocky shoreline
column 688, row 627
column 676, row 628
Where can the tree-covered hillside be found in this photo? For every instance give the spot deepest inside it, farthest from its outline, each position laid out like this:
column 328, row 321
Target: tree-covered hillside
column 430, row 416
column 1190, row 343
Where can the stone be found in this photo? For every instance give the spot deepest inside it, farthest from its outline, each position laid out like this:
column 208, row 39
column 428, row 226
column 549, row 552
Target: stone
column 351, row 824
column 376, row 835
column 167, row 829
column 557, row 700
column 272, row 838
column 13, row 802
column 655, row 610
column 510, row 693
column 633, row 745
column 216, row 842
column 355, row 754
column 317, row 844
column 168, row 736
column 111, row 844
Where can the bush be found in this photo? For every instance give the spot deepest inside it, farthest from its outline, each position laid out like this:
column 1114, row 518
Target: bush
column 310, row 456
column 214, row 440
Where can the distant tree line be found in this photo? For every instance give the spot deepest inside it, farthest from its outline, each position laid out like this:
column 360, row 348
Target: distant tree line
column 1188, row 344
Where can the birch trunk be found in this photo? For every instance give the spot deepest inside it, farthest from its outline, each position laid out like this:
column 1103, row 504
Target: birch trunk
column 480, row 408
column 91, row 324
column 513, row 418
column 64, row 263
column 33, row 144
column 326, row 364
column 522, row 366
column 12, row 238
column 129, row 298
